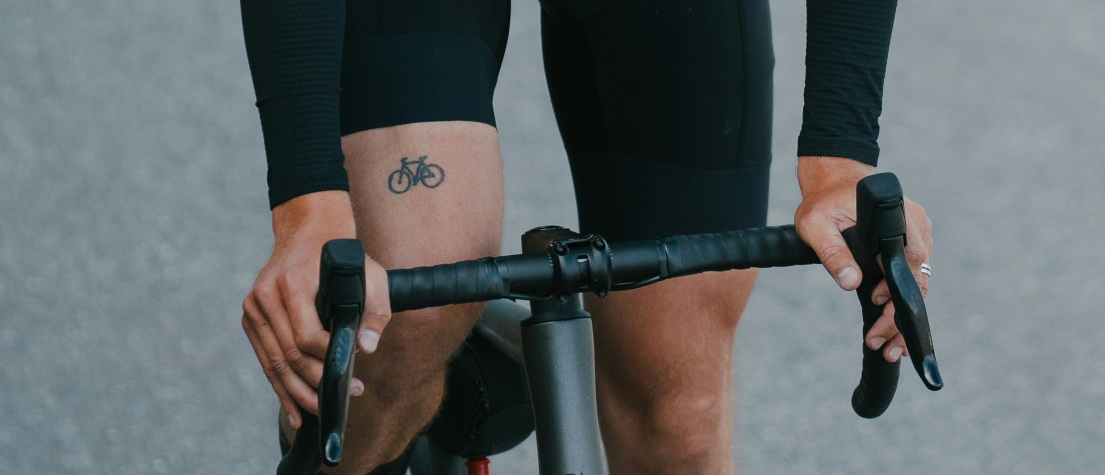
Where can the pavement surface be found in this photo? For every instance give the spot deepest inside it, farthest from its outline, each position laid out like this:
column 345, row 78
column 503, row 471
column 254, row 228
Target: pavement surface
column 133, row 219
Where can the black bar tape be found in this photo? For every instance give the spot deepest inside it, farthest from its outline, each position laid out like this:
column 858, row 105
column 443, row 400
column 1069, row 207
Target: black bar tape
column 879, row 380
column 462, row 282
column 520, row 276
column 761, row 247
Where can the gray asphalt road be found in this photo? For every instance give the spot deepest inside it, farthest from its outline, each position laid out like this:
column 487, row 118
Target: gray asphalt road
column 133, row 219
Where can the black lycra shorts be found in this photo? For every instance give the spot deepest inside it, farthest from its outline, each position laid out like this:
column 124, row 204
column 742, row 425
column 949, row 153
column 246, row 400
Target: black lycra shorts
column 664, row 106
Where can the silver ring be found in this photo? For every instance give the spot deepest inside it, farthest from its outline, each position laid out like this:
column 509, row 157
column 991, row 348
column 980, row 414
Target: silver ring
column 925, row 269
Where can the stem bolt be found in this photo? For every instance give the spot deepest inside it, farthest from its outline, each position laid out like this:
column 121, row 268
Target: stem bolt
column 559, row 248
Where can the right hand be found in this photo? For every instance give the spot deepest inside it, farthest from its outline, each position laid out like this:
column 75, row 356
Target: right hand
column 279, row 314
column 828, row 208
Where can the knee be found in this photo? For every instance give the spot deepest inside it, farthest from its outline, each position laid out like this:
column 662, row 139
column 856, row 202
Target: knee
column 414, row 349
column 686, row 417
column 679, row 428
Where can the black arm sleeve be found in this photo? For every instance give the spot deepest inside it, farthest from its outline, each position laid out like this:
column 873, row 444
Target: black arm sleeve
column 294, row 49
column 847, row 42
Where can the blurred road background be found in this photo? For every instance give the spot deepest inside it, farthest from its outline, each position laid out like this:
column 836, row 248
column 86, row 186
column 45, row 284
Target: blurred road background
column 133, row 219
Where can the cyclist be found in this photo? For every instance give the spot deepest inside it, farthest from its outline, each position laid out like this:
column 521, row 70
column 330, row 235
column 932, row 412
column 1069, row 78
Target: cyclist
column 665, row 112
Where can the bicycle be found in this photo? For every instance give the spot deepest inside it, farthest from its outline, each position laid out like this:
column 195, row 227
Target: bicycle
column 428, row 174
column 556, row 266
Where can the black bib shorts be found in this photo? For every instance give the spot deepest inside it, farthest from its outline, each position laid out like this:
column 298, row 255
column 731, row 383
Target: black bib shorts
column 664, row 107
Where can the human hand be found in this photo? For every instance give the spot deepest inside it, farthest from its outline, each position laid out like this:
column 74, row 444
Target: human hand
column 279, row 314
column 829, row 207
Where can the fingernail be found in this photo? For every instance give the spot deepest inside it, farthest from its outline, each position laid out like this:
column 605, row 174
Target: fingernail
column 877, row 342
column 895, row 353
column 881, row 299
column 291, row 421
column 847, row 277
column 369, row 340
column 356, row 388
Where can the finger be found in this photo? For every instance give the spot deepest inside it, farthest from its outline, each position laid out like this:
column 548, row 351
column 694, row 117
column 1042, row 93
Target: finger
column 307, row 364
column 881, row 295
column 825, row 239
column 916, row 255
column 377, row 312
column 918, row 243
column 308, row 334
column 919, row 222
column 926, row 234
column 286, row 401
column 288, row 364
column 895, row 349
column 883, row 330
column 916, row 251
column 925, row 230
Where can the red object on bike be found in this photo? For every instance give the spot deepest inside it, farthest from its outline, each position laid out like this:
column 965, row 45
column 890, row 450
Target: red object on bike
column 478, row 466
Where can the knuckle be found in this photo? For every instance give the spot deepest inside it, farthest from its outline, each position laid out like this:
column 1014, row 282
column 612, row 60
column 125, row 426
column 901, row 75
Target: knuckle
column 378, row 315
column 265, row 295
column 249, row 304
column 833, row 255
column 890, row 330
column 301, row 340
column 916, row 253
column 271, row 375
column 291, row 284
column 284, row 282
column 279, row 368
column 296, row 360
column 884, row 326
column 914, row 208
column 887, row 332
column 253, row 316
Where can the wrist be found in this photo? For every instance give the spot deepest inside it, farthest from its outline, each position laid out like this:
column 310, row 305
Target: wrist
column 327, row 214
column 817, row 171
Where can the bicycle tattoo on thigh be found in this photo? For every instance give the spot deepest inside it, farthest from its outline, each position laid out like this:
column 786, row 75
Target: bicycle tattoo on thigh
column 413, row 172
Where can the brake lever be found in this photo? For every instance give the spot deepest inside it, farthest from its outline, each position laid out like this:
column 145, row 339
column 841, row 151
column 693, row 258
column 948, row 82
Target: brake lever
column 878, row 244
column 340, row 302
column 909, row 312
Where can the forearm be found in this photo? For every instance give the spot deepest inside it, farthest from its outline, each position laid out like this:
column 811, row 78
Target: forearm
column 294, row 49
column 846, row 52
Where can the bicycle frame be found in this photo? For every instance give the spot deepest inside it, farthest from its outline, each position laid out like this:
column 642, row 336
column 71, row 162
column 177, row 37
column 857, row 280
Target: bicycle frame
column 556, row 344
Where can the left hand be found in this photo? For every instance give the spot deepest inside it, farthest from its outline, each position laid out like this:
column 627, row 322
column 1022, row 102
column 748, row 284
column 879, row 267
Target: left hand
column 828, row 208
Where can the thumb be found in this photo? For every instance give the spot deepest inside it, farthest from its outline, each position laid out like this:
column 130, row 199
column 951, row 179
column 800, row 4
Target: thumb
column 377, row 312
column 828, row 243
